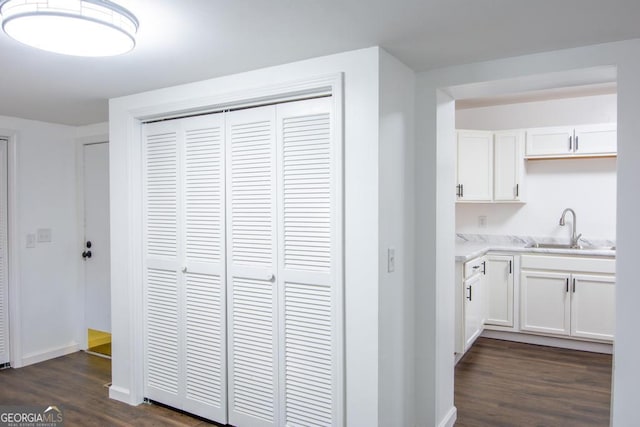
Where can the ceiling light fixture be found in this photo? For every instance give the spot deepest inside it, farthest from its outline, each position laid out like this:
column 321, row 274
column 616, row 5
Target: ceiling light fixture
column 70, row 27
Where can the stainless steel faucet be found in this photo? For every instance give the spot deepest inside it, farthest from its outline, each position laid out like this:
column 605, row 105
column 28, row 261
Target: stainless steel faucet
column 574, row 238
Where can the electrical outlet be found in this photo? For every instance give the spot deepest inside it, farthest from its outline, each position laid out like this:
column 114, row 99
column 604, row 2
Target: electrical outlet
column 391, row 260
column 482, row 221
column 44, row 235
column 31, row 240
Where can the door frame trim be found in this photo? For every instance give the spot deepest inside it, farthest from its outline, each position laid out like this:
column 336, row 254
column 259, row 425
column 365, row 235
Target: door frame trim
column 81, row 321
column 131, row 275
column 13, row 250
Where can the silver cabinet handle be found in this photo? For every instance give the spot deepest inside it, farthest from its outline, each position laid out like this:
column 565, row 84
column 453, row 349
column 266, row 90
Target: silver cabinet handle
column 184, row 269
column 576, row 143
column 571, row 143
column 271, row 277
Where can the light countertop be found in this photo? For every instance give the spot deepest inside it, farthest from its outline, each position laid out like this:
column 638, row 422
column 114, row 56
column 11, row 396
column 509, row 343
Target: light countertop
column 466, row 251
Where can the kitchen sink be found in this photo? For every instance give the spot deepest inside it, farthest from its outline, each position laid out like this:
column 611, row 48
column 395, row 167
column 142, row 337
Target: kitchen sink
column 568, row 246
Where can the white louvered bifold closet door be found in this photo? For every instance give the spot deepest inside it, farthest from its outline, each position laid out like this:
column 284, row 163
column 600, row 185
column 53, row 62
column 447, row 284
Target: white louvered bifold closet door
column 251, row 258
column 184, row 275
column 307, row 259
column 4, row 266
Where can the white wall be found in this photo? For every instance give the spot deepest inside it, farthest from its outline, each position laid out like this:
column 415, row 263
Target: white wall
column 361, row 118
column 435, row 222
column 586, row 185
column 397, row 105
column 45, row 285
column 556, row 112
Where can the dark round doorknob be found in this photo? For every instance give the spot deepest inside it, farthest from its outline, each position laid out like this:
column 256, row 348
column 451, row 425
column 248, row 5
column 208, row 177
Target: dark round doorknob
column 88, row 244
column 86, row 254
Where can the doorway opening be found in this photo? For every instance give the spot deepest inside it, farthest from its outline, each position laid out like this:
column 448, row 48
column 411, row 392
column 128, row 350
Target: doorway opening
column 96, row 248
column 545, row 185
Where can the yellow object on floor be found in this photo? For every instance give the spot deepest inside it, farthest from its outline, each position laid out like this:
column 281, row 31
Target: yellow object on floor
column 99, row 342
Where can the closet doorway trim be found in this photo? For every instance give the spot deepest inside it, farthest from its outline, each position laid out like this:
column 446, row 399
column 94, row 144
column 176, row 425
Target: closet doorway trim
column 333, row 85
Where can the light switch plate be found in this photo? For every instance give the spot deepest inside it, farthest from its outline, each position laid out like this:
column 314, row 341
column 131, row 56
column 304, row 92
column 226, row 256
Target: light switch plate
column 31, row 240
column 44, row 235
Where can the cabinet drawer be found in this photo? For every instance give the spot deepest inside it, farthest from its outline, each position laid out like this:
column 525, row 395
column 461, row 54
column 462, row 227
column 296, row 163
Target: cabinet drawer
column 568, row 263
column 474, row 266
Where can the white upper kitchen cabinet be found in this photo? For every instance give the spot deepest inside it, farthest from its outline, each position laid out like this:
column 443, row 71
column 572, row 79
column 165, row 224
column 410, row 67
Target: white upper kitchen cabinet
column 596, row 140
column 549, row 141
column 572, row 141
column 475, row 166
column 508, row 169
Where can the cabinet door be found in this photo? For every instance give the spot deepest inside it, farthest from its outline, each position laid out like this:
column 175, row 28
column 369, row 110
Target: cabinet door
column 593, row 307
column 545, row 302
column 499, row 285
column 551, row 141
column 474, row 309
column 475, row 166
column 507, row 166
column 596, row 139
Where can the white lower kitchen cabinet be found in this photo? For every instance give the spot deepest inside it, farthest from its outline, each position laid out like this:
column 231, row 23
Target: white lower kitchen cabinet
column 545, row 306
column 500, row 290
column 471, row 305
column 474, row 309
column 592, row 309
column 568, row 296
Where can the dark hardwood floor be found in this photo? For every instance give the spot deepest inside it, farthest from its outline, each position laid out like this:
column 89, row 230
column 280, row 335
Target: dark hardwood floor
column 501, row 383
column 77, row 383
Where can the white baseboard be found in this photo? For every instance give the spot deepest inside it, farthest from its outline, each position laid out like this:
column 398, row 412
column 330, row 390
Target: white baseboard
column 594, row 347
column 33, row 358
column 120, row 394
column 450, row 419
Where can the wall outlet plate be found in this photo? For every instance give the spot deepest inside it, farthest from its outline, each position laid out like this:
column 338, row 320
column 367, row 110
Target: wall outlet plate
column 44, row 235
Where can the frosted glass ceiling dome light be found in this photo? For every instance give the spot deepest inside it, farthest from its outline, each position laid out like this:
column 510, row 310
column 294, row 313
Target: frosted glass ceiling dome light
column 70, row 27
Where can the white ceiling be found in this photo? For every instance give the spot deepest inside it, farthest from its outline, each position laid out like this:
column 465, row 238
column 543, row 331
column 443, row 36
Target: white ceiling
column 181, row 41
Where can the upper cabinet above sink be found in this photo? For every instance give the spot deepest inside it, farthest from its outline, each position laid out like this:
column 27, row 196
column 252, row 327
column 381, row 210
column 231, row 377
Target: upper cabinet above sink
column 572, row 142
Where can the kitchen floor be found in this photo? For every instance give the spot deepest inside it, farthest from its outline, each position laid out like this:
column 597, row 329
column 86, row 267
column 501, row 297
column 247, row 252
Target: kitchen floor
column 502, row 383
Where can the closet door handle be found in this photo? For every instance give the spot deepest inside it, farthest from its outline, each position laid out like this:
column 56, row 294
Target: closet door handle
column 184, row 269
column 271, row 277
column 574, row 285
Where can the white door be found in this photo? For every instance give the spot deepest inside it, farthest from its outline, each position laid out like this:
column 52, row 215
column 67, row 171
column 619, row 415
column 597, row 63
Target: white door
column 184, row 265
column 545, row 302
column 308, row 259
column 4, row 265
column 596, row 139
column 97, row 250
column 549, row 141
column 499, row 285
column 507, row 165
column 475, row 166
column 593, row 307
column 251, row 267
